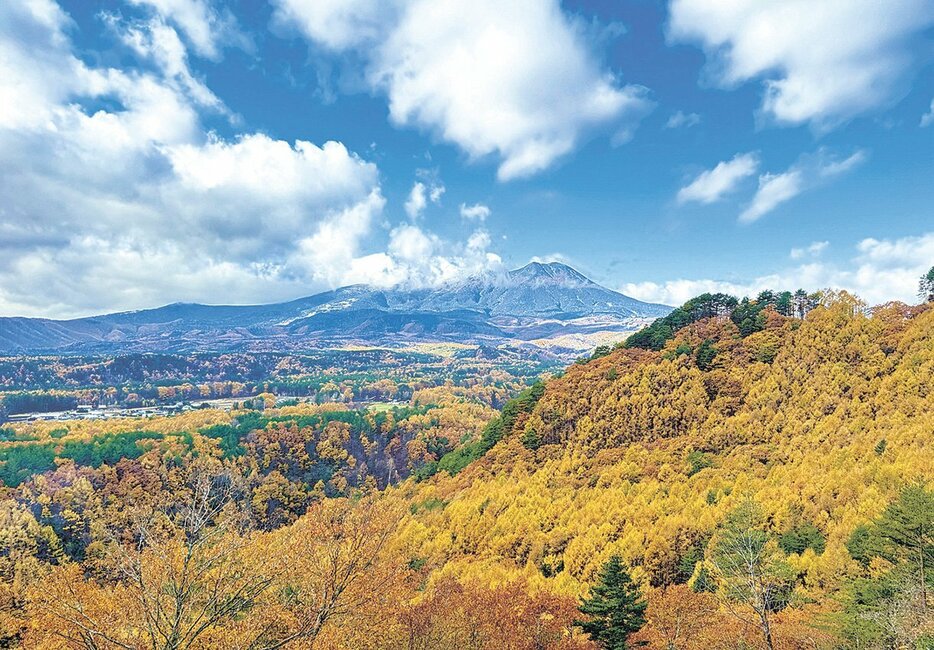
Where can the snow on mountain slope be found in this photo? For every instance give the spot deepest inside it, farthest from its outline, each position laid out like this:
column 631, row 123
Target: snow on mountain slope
column 537, row 301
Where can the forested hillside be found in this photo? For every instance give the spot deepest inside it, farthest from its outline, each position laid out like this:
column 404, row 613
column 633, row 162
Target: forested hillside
column 820, row 422
column 761, row 470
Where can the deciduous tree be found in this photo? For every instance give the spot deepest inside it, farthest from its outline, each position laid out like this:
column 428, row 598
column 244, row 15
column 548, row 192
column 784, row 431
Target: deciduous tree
column 749, row 568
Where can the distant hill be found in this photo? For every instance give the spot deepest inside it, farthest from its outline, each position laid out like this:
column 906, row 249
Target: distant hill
column 547, row 307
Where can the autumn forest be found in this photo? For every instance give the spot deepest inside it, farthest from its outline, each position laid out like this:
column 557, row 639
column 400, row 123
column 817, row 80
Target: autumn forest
column 754, row 474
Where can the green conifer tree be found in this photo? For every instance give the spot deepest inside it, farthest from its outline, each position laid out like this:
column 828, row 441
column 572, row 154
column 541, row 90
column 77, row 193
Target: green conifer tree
column 615, row 607
column 906, row 530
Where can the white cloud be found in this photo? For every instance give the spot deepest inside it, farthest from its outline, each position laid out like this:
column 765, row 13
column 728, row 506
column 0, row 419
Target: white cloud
column 205, row 27
column 417, row 201
column 774, row 189
column 475, row 212
column 157, row 41
column 339, row 24
column 713, row 184
column 808, row 172
column 682, row 119
column 258, row 164
column 677, row 292
column 928, row 118
column 410, row 243
column 27, row 98
column 420, row 195
column 828, row 167
column 93, row 273
column 820, row 62
column 813, row 250
column 335, row 246
column 561, row 258
column 879, row 271
column 441, row 65
column 136, row 204
column 414, row 258
column 252, row 197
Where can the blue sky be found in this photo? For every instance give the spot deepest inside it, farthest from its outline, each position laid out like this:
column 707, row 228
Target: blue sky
column 237, row 152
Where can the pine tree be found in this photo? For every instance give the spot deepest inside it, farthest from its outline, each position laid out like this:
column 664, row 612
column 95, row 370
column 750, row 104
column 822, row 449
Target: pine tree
column 615, row 607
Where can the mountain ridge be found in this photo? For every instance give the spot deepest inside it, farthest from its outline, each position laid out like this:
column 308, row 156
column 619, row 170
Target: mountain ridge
column 536, row 301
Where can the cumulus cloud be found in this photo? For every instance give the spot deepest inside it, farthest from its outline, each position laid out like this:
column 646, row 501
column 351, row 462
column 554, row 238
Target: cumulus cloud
column 880, row 270
column 682, row 119
column 808, row 172
column 414, row 258
column 475, row 212
column 809, row 72
column 440, row 64
column 813, row 250
column 713, row 184
column 114, row 195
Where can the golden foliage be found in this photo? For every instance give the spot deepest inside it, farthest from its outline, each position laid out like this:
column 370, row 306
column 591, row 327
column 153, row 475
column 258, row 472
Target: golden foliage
column 821, row 422
column 799, row 434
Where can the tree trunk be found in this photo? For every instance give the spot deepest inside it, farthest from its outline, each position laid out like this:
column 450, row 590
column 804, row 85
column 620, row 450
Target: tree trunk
column 924, row 588
column 766, row 630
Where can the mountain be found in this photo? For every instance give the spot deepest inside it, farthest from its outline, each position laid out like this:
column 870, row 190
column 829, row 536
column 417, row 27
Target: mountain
column 546, row 306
